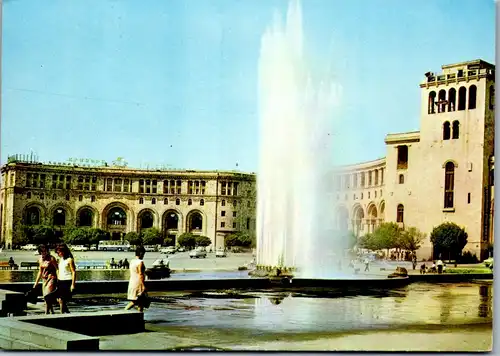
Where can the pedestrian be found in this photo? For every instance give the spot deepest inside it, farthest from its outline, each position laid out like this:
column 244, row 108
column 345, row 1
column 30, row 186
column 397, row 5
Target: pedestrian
column 67, row 276
column 48, row 273
column 125, row 264
column 367, row 265
column 439, row 265
column 136, row 286
column 11, row 263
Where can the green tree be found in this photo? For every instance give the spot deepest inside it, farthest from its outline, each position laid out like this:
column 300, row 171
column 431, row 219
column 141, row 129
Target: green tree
column 77, row 236
column 203, row 241
column 44, row 234
column 449, row 238
column 151, row 236
column 96, row 235
column 369, row 242
column 239, row 238
column 168, row 241
column 411, row 239
column 20, row 239
column 133, row 238
column 187, row 240
column 387, row 235
column 231, row 240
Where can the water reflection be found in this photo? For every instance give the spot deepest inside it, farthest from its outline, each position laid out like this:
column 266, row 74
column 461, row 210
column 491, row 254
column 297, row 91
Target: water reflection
column 485, row 301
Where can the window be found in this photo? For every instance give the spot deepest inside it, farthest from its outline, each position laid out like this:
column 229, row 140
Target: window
column 141, row 186
column 361, row 195
column 462, row 93
column 126, row 183
column 376, row 177
column 222, row 224
column 28, row 180
column 42, row 196
column 442, row 101
column 177, row 201
column 375, row 193
column 452, row 98
column 223, row 213
column 234, row 225
column 432, row 101
column 202, row 202
column 109, row 184
column 235, row 203
column 446, row 130
column 362, row 179
column 190, row 202
column 456, row 128
column 80, row 197
column 153, row 201
column 401, row 179
column 92, row 198
column 468, row 198
column 234, row 214
column 368, row 195
column 117, row 185
column 472, row 97
column 381, row 177
column 54, row 197
column 67, row 196
column 449, row 184
column 28, row 195
column 165, row 201
column 141, row 200
column 400, row 216
column 369, row 178
column 248, row 223
column 402, row 157
column 223, row 203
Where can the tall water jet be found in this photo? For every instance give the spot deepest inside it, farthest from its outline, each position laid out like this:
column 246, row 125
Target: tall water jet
column 296, row 222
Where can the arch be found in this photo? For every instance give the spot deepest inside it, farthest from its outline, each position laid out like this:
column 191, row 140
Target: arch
column 146, row 218
column 472, row 97
column 61, row 205
column 442, row 101
column 431, row 102
column 59, row 217
column 86, row 216
column 400, row 213
column 116, row 222
column 195, row 221
column 42, row 213
column 358, row 216
column 223, row 202
column 452, row 161
column 171, row 221
column 372, row 216
column 455, row 130
column 462, row 94
column 452, row 99
column 446, row 130
column 342, row 217
column 381, row 209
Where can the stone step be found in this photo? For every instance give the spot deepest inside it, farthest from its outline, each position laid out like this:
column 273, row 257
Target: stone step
column 17, row 331
column 7, row 343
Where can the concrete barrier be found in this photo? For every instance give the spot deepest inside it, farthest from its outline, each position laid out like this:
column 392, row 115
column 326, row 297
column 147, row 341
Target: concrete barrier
column 12, row 303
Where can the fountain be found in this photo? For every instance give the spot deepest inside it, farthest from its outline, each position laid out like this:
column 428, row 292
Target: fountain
column 295, row 206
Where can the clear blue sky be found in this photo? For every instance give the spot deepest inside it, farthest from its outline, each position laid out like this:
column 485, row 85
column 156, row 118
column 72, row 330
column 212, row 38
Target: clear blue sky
column 175, row 82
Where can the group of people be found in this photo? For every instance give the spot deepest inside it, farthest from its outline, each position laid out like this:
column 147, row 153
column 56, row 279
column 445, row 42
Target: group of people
column 436, row 267
column 59, row 278
column 121, row 264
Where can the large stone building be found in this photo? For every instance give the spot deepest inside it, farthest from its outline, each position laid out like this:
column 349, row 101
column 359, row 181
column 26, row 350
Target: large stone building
column 444, row 172
column 119, row 200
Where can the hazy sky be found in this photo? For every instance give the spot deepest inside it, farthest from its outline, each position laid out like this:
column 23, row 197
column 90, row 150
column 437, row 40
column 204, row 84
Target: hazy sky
column 175, row 81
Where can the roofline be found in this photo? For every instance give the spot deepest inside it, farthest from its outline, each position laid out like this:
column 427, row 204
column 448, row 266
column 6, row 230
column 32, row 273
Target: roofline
column 474, row 61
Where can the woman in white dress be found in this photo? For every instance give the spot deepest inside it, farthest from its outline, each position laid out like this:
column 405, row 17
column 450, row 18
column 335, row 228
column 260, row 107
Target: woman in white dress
column 136, row 285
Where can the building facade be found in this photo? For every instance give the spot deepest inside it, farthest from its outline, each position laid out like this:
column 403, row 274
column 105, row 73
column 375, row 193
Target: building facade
column 444, row 172
column 120, row 200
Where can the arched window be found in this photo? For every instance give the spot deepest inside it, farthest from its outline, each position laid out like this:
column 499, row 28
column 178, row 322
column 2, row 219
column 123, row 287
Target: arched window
column 59, row 217
column 446, row 130
column 462, row 93
column 141, row 200
column 177, row 201
column 165, row 201
column 449, row 184
column 223, row 203
column 401, row 211
column 146, row 220
column 452, row 98
column 456, row 128
column 117, row 216
column 85, row 217
column 92, row 198
column 202, row 202
column 492, row 97
column 442, row 101
column 190, row 202
column 153, row 201
column 80, row 197
column 401, row 181
column 431, row 103
column 472, row 97
column 28, row 195
column 33, row 216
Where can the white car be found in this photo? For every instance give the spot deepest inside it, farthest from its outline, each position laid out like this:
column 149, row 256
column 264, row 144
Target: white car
column 79, row 248
column 150, row 248
column 29, row 247
column 220, row 253
column 167, row 250
column 198, row 254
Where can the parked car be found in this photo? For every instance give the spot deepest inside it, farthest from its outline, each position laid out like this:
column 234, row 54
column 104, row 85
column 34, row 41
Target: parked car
column 181, row 249
column 220, row 253
column 151, row 248
column 79, row 248
column 29, row 247
column 198, row 253
column 168, row 250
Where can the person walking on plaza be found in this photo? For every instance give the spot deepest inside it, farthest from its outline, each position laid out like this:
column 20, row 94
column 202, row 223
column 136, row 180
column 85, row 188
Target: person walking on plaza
column 67, row 276
column 439, row 265
column 136, row 286
column 48, row 272
column 367, row 265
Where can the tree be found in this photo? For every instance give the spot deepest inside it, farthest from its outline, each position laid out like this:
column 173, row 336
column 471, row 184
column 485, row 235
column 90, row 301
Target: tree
column 449, row 238
column 96, row 235
column 239, row 238
column 44, row 234
column 231, row 240
column 77, row 236
column 168, row 241
column 151, row 236
column 203, row 240
column 187, row 240
column 133, row 238
column 411, row 239
column 387, row 235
